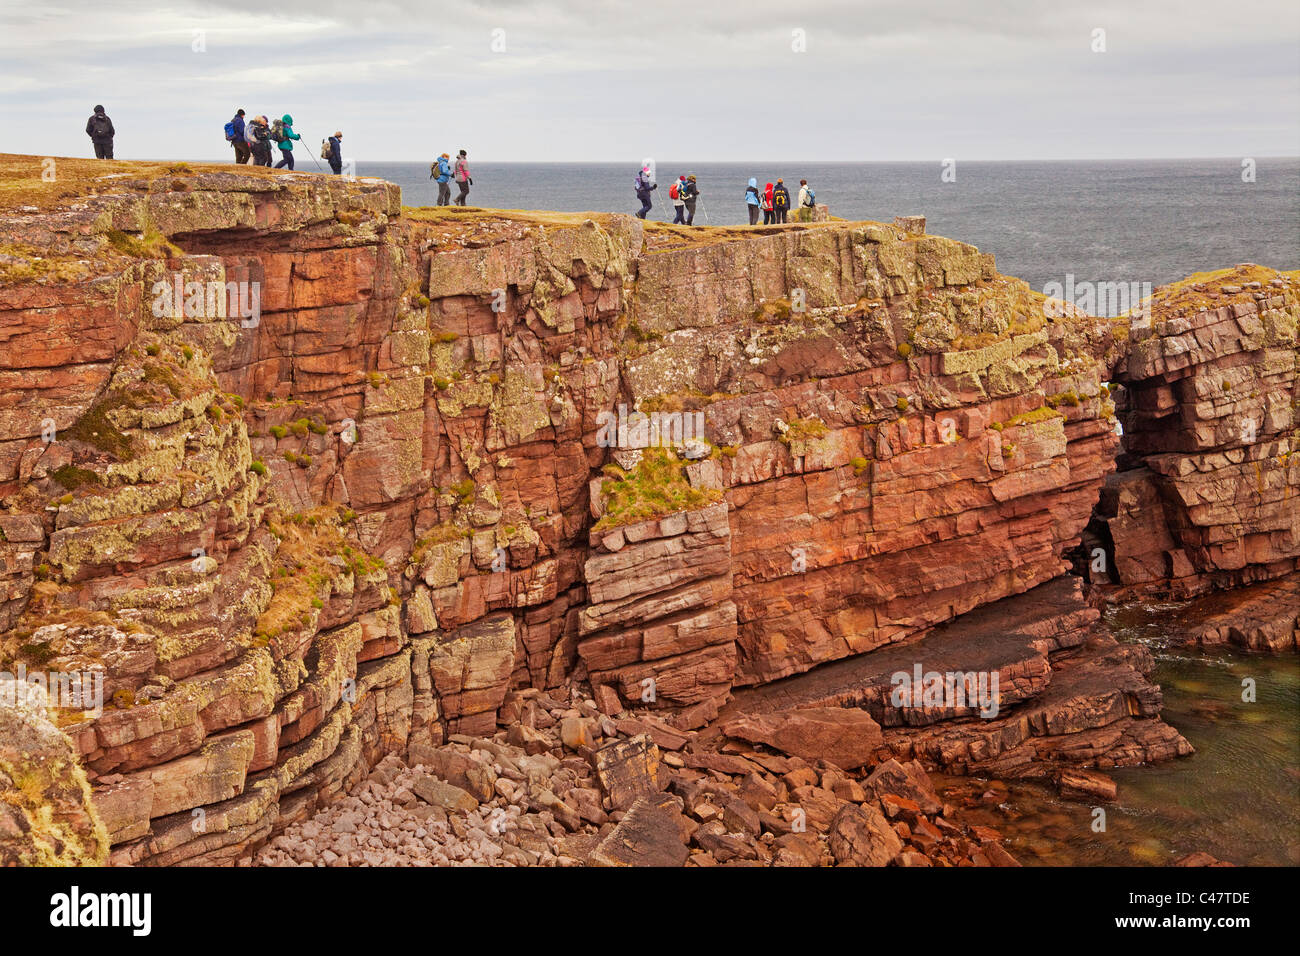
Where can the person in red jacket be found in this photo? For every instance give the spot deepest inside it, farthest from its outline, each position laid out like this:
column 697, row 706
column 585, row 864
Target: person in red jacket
column 768, row 216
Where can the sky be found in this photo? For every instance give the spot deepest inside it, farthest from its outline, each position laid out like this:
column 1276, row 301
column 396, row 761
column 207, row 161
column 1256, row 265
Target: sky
column 614, row 80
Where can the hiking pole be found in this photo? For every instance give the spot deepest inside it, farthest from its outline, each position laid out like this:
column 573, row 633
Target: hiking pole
column 705, row 210
column 316, row 161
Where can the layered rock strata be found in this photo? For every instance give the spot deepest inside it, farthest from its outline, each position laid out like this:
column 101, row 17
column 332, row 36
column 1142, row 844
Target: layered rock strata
column 373, row 507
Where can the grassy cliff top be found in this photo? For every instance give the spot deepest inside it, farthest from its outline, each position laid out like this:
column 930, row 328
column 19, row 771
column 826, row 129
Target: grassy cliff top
column 456, row 222
column 1204, row 290
column 25, row 180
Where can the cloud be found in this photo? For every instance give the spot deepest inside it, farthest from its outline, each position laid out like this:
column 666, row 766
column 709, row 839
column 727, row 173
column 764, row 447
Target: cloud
column 609, row 79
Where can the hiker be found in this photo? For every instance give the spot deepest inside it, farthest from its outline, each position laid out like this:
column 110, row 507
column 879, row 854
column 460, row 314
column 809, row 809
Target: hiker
column 807, row 201
column 236, row 136
column 462, row 177
column 780, row 201
column 690, row 192
column 769, row 217
column 283, row 134
column 440, row 172
column 679, row 204
column 753, row 202
column 335, row 158
column 643, row 187
column 257, row 133
column 100, row 130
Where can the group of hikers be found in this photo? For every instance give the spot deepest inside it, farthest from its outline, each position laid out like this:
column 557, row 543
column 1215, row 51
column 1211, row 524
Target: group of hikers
column 442, row 171
column 773, row 201
column 253, row 138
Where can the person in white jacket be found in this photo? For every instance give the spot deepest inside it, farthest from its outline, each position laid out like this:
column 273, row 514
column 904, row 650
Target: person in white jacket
column 807, row 201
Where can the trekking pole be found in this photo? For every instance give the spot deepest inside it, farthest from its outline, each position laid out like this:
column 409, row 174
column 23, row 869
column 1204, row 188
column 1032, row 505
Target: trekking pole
column 316, row 161
column 704, row 209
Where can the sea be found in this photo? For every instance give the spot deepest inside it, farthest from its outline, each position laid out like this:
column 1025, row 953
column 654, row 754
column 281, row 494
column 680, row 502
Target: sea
column 1099, row 221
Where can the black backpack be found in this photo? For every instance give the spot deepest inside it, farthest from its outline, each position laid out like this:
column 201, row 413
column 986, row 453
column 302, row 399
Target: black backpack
column 100, row 125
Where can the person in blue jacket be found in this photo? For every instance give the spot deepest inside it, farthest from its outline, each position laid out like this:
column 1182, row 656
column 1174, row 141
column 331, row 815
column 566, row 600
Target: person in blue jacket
column 286, row 144
column 440, row 172
column 753, row 201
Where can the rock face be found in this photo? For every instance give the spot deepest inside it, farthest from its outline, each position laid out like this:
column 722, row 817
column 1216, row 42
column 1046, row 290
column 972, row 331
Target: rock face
column 353, row 490
column 1209, row 404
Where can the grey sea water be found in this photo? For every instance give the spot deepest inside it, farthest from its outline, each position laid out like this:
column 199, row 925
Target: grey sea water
column 1116, row 221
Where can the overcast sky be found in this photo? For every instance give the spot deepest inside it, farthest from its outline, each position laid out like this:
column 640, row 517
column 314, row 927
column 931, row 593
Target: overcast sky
column 616, row 80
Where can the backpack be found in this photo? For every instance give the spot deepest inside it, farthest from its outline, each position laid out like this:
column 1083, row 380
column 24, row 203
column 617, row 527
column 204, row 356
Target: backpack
column 230, row 132
column 780, row 198
column 812, row 197
column 277, row 130
column 325, row 151
column 672, row 191
column 100, row 124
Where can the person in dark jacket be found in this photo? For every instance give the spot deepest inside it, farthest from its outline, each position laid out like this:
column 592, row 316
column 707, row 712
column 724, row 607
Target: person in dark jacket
column 780, row 201
column 100, row 130
column 242, row 150
column 643, row 186
column 689, row 193
column 257, row 134
column 336, row 152
column 286, row 144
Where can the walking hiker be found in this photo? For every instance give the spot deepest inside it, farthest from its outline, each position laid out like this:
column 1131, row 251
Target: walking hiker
column 236, row 136
column 769, row 216
column 462, row 177
column 335, row 157
column 283, row 134
column 679, row 204
column 753, row 202
column 807, row 201
column 643, row 187
column 690, row 193
column 440, row 172
column 100, row 130
column 780, row 201
column 257, row 134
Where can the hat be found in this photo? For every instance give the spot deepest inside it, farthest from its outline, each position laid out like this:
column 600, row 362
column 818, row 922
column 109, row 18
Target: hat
column 338, row 134
column 691, row 177
column 99, row 109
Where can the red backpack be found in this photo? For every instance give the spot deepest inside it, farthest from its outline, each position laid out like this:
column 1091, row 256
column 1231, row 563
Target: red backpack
column 672, row 191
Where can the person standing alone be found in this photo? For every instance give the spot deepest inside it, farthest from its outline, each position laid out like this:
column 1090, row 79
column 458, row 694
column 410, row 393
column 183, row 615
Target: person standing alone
column 100, row 130
column 462, row 177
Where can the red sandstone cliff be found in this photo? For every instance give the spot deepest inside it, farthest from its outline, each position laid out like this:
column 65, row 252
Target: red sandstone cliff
column 358, row 523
